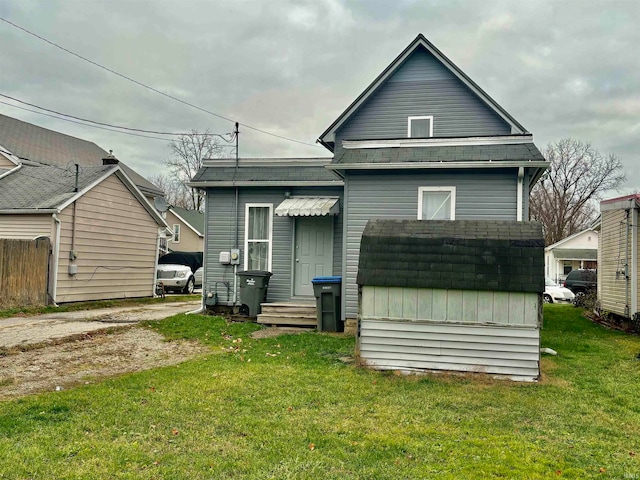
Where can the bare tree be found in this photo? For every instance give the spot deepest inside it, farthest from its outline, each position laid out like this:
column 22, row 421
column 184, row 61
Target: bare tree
column 564, row 198
column 187, row 155
column 176, row 193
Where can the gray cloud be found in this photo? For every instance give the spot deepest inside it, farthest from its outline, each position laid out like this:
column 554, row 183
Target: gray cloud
column 562, row 68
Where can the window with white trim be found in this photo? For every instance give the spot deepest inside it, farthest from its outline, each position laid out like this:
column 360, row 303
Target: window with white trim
column 436, row 203
column 176, row 233
column 257, row 236
column 420, row 127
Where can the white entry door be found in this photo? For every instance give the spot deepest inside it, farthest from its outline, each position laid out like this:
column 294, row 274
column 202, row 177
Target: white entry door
column 313, row 252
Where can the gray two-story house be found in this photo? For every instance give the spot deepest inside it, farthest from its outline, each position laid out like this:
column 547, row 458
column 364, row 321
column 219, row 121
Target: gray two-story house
column 423, row 141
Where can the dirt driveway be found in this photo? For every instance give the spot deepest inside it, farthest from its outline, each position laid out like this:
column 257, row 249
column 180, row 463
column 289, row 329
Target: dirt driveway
column 66, row 349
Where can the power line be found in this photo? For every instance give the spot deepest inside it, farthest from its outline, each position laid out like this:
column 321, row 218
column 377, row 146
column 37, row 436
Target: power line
column 118, row 126
column 148, row 87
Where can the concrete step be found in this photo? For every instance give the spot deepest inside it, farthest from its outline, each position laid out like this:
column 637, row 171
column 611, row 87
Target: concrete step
column 298, row 320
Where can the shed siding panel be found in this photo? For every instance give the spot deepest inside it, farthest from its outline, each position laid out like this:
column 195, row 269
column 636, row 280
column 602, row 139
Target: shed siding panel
column 480, row 195
column 612, row 246
column 116, row 244
column 422, row 86
column 221, row 237
column 513, row 352
column 26, row 227
column 450, row 306
column 190, row 241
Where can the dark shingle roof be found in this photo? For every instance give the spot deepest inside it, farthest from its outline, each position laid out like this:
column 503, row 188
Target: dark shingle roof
column 41, row 145
column 288, row 173
column 459, row 254
column 192, row 217
column 467, row 153
column 44, row 187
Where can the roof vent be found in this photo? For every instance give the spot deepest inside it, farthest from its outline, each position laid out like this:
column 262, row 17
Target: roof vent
column 110, row 159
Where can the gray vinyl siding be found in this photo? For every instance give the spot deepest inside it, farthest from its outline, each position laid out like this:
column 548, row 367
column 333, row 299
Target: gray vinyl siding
column 480, row 195
column 220, row 226
column 422, row 86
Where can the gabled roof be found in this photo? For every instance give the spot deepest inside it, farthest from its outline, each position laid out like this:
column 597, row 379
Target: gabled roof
column 328, row 136
column 191, row 218
column 628, row 201
column 48, row 189
column 570, row 237
column 37, row 144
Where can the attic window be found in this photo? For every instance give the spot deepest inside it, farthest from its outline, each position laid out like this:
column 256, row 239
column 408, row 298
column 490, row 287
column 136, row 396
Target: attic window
column 420, row 127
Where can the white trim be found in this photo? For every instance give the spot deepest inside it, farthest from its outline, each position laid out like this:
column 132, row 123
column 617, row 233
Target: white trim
column 451, row 190
column 173, row 237
column 439, row 141
column 56, row 257
column 246, row 233
column 186, row 223
column 14, row 169
column 635, row 229
column 439, row 164
column 519, row 195
column 9, row 156
column 420, row 117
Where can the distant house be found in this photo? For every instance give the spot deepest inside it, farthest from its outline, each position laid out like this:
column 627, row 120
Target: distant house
column 188, row 229
column 619, row 256
column 103, row 229
column 579, row 250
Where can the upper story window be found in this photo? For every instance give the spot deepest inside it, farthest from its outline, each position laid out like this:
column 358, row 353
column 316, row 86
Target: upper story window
column 420, row 127
column 257, row 236
column 436, row 203
column 176, row 233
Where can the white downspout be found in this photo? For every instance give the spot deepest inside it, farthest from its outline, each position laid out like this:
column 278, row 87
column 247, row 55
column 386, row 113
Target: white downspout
column 155, row 265
column 519, row 205
column 635, row 308
column 56, row 257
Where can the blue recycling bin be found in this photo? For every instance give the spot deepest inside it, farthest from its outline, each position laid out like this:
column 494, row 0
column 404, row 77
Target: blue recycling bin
column 327, row 292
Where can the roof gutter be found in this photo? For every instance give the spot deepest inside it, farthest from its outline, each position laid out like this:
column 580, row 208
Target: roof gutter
column 440, row 164
column 28, row 211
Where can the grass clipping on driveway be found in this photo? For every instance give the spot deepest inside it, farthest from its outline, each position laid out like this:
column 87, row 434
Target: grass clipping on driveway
column 288, row 407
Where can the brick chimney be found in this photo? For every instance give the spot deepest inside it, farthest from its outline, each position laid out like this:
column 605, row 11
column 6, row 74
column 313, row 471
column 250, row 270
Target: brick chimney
column 110, row 159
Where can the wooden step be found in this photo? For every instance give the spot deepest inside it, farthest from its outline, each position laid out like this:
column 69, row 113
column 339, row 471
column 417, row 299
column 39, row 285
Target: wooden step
column 294, row 309
column 298, row 320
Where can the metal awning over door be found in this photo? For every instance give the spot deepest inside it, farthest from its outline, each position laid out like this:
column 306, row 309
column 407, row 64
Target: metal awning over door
column 308, row 207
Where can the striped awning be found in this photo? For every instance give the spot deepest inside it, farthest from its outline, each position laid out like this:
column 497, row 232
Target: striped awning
column 308, row 207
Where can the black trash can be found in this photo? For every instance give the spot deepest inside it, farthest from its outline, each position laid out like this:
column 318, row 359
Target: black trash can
column 327, row 292
column 253, row 290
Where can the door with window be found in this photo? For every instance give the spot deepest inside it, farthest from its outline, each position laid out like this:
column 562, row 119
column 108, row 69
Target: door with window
column 313, row 252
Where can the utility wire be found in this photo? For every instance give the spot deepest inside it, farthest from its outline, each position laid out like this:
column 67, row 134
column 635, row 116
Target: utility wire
column 148, row 87
column 222, row 136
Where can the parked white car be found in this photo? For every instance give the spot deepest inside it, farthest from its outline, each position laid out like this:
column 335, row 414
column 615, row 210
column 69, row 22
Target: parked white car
column 554, row 293
column 178, row 278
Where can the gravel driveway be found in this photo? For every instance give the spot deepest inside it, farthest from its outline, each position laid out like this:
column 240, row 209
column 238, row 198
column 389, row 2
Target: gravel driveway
column 67, row 349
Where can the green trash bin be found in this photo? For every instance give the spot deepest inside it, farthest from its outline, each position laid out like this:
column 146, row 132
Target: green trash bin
column 327, row 292
column 253, row 291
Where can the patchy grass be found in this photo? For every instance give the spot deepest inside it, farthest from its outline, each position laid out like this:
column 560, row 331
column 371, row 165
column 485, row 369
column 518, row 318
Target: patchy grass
column 74, row 307
column 288, row 407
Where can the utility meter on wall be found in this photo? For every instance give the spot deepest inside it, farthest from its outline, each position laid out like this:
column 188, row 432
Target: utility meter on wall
column 235, row 256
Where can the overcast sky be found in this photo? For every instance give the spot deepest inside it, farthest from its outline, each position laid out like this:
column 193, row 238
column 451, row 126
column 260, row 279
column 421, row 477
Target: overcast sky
column 561, row 68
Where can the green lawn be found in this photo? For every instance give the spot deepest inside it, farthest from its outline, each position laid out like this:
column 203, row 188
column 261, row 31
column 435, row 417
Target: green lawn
column 288, row 407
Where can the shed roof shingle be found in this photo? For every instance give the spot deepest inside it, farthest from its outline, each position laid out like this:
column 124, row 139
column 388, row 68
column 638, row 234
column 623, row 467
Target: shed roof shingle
column 459, row 254
column 291, row 173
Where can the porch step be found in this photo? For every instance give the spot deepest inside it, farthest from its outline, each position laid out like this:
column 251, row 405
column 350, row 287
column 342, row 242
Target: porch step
column 299, row 314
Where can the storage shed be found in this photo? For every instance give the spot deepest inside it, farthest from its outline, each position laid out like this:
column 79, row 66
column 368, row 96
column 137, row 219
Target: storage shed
column 458, row 295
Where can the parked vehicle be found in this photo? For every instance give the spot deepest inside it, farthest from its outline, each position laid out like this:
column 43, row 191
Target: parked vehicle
column 179, row 271
column 581, row 281
column 554, row 293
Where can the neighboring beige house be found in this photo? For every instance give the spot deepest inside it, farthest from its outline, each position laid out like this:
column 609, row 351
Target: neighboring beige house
column 579, row 250
column 188, row 230
column 619, row 256
column 104, row 232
